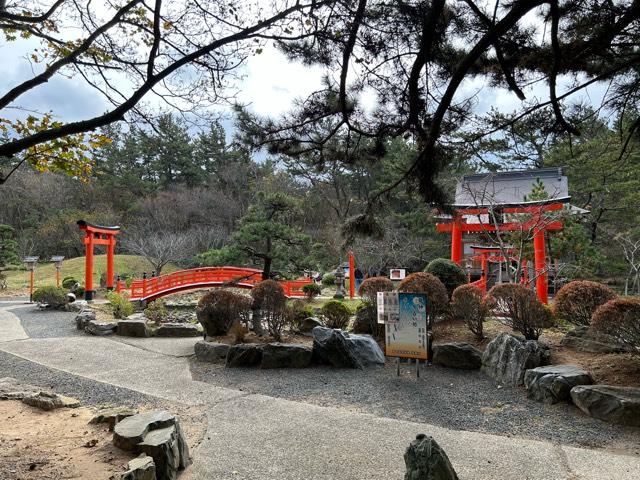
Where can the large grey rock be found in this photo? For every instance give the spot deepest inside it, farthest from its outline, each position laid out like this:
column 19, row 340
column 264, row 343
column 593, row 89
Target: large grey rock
column 50, row 401
column 12, row 389
column 309, row 323
column 338, row 348
column 112, row 416
column 285, row 355
column 211, row 352
column 140, row 468
column 553, row 383
column 507, row 357
column 457, row 355
column 83, row 318
column 584, row 339
column 158, row 434
column 132, row 328
column 77, row 305
column 609, row 403
column 244, row 355
column 171, row 329
column 426, row 460
column 94, row 327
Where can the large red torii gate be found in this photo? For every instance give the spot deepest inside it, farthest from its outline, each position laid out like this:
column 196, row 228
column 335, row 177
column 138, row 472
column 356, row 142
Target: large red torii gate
column 97, row 235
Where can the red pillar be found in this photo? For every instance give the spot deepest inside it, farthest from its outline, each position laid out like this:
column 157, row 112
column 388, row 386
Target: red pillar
column 542, row 287
column 88, row 266
column 483, row 278
column 110, row 250
column 352, row 276
column 456, row 240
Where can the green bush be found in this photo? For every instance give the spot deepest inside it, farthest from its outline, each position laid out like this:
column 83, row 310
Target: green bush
column 449, row 272
column 370, row 287
column 312, row 290
column 299, row 312
column 68, row 282
column 328, row 279
column 156, row 311
column 53, row 296
column 437, row 298
column 577, row 301
column 336, row 314
column 120, row 305
column 219, row 309
column 468, row 306
column 620, row 318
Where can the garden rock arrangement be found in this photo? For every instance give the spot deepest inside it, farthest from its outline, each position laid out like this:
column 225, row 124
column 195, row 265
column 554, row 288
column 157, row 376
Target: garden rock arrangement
column 174, row 329
column 95, row 327
column 12, row 389
column 507, row 357
column 584, row 339
column 457, row 355
column 426, row 460
column 609, row 403
column 340, row 349
column 553, row 384
column 84, row 317
column 158, row 434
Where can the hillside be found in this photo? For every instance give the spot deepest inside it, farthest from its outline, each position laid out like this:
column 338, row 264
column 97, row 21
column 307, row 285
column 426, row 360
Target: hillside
column 18, row 281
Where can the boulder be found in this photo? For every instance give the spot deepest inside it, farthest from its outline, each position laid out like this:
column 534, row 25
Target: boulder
column 50, row 401
column 171, row 329
column 112, row 416
column 609, row 403
column 84, row 317
column 339, row 349
column 132, row 328
column 211, row 352
column 12, row 389
column 158, row 434
column 76, row 305
column 583, row 339
column 553, row 384
column 94, row 327
column 244, row 355
column 140, row 468
column 285, row 355
column 507, row 357
column 457, row 355
column 426, row 460
column 309, row 323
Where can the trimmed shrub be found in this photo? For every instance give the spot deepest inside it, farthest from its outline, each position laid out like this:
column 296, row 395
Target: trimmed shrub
column 68, row 282
column 620, row 318
column 468, row 306
column 218, row 309
column 328, row 279
column 577, row 301
column 519, row 308
column 120, row 305
column 156, row 311
column 53, row 296
column 449, row 272
column 437, row 298
column 336, row 314
column 312, row 290
column 299, row 312
column 371, row 286
column 269, row 298
column 367, row 320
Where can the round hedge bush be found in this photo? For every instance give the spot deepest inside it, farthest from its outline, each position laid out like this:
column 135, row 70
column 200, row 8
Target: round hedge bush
column 370, row 287
column 620, row 318
column 219, row 309
column 268, row 295
column 328, row 279
column 53, row 296
column 311, row 290
column 577, row 301
column 468, row 306
column 449, row 272
column 422, row 282
column 336, row 314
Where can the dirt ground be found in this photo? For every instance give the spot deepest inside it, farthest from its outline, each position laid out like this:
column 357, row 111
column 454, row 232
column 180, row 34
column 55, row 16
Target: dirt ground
column 608, row 369
column 61, row 444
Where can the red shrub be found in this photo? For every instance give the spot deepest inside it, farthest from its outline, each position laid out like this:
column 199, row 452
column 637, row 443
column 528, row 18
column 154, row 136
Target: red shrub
column 468, row 306
column 577, row 301
column 371, row 286
column 620, row 318
column 437, row 298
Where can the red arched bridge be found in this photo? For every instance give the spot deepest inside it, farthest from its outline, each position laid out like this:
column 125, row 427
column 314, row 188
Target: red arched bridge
column 149, row 289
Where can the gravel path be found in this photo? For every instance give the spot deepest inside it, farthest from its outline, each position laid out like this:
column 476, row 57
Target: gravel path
column 455, row 399
column 46, row 323
column 89, row 392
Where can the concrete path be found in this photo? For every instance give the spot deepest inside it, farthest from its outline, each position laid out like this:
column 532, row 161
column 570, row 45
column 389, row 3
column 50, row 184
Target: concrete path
column 258, row 437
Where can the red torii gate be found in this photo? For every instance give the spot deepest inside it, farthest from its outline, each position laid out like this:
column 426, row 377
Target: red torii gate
column 97, row 235
column 536, row 210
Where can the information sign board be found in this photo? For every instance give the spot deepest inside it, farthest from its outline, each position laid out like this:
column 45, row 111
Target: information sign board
column 406, row 333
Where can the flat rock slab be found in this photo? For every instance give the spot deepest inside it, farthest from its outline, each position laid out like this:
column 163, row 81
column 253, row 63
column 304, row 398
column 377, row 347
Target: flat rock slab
column 609, row 403
column 112, row 416
column 340, row 349
column 457, row 355
column 211, row 352
column 132, row 430
column 178, row 330
column 50, row 401
column 133, row 328
column 95, row 327
column 140, row 468
column 12, row 389
column 553, row 383
column 244, row 355
column 426, row 460
column 507, row 357
column 286, row 355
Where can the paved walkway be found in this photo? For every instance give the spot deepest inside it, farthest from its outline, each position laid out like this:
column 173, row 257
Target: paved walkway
column 258, row 437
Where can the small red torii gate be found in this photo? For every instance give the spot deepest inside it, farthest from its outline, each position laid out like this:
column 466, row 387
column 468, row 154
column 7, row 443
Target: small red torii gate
column 97, row 235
